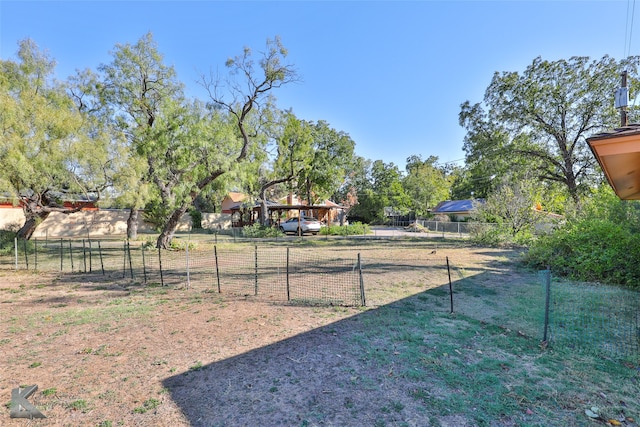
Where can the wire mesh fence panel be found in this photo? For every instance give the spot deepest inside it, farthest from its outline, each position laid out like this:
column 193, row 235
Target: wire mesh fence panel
column 236, row 270
column 595, row 318
column 275, row 273
column 272, row 273
column 172, row 266
column 200, row 268
column 315, row 279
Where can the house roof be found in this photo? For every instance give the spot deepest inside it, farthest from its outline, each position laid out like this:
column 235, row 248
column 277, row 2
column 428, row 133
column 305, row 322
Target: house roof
column 456, row 206
column 618, row 153
column 236, row 197
column 275, row 206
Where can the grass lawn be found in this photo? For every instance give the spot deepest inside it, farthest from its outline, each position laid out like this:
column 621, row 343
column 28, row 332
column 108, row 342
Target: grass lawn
column 121, row 353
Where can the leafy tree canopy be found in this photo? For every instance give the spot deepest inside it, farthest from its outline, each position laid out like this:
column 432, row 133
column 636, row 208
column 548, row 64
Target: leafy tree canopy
column 537, row 122
column 50, row 151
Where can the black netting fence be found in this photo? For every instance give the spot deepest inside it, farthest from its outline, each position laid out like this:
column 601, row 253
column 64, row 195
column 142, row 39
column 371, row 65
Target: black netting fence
column 592, row 317
column 276, row 273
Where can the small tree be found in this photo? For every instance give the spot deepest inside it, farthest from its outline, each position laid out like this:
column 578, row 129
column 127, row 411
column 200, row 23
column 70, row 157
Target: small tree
column 512, row 207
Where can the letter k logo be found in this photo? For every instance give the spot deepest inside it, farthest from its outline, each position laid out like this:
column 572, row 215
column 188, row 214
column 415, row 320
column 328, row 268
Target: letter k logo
column 20, row 406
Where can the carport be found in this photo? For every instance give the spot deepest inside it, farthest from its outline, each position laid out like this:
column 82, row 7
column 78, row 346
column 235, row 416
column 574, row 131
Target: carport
column 243, row 214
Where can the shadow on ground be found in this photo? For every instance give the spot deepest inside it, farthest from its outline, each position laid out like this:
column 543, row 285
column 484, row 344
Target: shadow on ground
column 353, row 372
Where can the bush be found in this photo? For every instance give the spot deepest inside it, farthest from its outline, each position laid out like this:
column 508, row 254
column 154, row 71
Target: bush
column 259, row 231
column 590, row 250
column 497, row 235
column 7, row 242
column 196, row 218
column 181, row 245
column 354, row 229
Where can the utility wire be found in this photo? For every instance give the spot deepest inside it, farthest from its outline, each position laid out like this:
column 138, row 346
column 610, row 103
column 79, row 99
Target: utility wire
column 628, row 32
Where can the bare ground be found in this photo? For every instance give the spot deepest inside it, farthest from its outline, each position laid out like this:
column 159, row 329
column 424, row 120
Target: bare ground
column 123, row 354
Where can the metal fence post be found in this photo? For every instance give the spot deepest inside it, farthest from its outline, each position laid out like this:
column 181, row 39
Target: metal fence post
column 71, row 255
column 547, row 301
column 215, row 254
column 84, row 255
column 15, row 250
column 287, row 277
column 450, row 285
column 61, row 254
column 363, row 300
column 187, row 260
column 256, row 270
column 129, row 256
column 144, row 264
column 100, row 253
column 160, row 264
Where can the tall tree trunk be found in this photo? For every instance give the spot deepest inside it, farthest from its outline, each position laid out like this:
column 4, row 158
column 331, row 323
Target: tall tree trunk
column 33, row 220
column 132, row 224
column 165, row 237
column 264, row 210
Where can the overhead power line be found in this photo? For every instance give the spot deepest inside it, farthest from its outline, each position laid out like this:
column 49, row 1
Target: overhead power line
column 628, row 32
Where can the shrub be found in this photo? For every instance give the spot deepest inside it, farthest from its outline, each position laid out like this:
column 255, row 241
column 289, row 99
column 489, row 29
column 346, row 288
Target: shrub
column 196, row 218
column 591, row 250
column 496, row 235
column 7, row 242
column 181, row 245
column 259, row 231
column 353, row 229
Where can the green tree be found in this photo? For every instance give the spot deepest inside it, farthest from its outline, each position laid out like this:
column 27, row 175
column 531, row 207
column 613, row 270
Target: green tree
column 134, row 88
column 381, row 188
column 356, row 182
column 332, row 156
column 512, row 208
column 49, row 150
column 541, row 117
column 425, row 183
column 246, row 97
column 293, row 155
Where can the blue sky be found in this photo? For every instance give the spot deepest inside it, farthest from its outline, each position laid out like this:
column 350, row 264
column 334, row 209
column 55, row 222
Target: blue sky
column 391, row 74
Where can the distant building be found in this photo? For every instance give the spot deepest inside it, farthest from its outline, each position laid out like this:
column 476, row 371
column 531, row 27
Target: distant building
column 457, row 209
column 232, row 200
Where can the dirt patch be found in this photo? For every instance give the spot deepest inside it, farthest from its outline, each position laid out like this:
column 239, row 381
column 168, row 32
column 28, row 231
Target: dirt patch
column 119, row 353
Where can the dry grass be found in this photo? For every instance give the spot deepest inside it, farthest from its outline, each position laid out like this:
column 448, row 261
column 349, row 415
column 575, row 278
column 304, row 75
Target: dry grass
column 120, row 353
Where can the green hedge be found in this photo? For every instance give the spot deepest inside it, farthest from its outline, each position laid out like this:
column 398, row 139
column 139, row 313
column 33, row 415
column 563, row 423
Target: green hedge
column 7, row 242
column 257, row 231
column 590, row 250
column 354, row 229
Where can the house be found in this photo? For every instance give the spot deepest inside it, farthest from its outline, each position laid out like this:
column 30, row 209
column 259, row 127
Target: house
column 246, row 213
column 457, row 209
column 230, row 200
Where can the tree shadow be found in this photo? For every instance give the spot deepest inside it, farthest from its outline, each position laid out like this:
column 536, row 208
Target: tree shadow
column 353, row 372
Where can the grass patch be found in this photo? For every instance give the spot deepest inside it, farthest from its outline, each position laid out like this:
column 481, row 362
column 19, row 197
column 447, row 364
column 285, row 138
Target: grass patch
column 487, row 372
column 147, row 405
column 78, row 405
